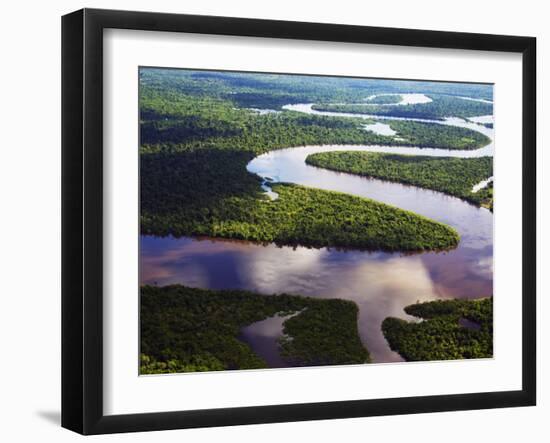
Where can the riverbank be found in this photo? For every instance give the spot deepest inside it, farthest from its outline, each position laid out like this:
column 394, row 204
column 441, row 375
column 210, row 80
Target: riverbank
column 459, row 177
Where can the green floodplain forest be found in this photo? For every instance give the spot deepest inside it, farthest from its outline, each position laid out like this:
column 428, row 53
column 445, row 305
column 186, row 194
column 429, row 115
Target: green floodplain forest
column 437, row 173
column 198, row 132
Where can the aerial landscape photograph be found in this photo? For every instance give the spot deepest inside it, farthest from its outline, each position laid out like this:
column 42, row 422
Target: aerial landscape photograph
column 293, row 220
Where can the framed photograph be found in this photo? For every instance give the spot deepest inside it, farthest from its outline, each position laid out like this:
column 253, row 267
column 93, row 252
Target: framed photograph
column 269, row 221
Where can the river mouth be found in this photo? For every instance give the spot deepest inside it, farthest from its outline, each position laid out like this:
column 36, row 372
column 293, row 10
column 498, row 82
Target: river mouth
column 367, row 278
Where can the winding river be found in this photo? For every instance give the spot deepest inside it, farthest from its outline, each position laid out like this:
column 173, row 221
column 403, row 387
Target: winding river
column 381, row 283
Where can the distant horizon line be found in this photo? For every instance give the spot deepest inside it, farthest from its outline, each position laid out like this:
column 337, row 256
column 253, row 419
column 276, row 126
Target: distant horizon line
column 300, row 74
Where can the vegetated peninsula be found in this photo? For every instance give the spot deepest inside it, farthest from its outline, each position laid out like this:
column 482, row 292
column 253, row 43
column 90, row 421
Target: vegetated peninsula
column 439, row 108
column 186, row 194
column 436, row 135
column 451, row 329
column 187, row 330
column 453, row 176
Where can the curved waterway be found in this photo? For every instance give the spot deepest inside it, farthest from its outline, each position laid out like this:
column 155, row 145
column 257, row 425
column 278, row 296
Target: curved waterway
column 381, row 283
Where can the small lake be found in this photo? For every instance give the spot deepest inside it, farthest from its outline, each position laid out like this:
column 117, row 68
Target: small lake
column 381, row 283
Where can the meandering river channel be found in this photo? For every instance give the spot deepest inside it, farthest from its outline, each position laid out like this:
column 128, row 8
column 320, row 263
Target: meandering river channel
column 381, row 283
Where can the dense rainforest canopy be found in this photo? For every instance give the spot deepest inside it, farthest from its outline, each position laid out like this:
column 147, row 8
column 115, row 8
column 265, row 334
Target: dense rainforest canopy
column 196, row 140
column 439, row 108
column 187, row 330
column 275, row 90
column 183, row 194
column 452, row 329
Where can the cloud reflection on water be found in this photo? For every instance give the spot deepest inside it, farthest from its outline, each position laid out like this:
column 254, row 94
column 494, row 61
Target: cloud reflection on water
column 380, row 283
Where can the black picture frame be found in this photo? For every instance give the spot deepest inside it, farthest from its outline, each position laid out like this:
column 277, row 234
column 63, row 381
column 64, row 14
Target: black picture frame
column 82, row 221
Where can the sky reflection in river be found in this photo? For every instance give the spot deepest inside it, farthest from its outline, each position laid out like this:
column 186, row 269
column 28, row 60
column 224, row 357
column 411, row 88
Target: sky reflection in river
column 380, row 283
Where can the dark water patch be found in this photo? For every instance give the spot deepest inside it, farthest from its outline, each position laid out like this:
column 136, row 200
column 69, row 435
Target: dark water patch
column 263, row 337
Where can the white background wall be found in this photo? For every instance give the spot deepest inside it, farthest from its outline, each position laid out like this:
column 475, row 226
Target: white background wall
column 30, row 218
